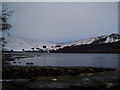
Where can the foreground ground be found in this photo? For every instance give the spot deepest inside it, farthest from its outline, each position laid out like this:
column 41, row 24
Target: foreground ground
column 52, row 77
column 56, row 77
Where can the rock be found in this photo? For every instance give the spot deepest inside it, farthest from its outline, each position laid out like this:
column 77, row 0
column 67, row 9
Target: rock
column 14, row 62
column 54, row 79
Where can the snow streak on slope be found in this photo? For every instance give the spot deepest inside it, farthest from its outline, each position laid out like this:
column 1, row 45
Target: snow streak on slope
column 96, row 40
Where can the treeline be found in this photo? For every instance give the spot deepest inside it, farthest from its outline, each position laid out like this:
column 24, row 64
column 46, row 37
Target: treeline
column 91, row 48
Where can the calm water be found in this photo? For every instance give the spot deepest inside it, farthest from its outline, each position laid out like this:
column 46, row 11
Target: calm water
column 69, row 59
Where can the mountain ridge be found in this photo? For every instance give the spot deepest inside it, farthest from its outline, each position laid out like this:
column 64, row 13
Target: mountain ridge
column 90, row 40
column 20, row 44
column 106, row 43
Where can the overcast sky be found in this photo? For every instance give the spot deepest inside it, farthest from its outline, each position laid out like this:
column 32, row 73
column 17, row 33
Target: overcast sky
column 63, row 22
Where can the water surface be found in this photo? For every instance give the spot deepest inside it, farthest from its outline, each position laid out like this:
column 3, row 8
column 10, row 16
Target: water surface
column 69, row 59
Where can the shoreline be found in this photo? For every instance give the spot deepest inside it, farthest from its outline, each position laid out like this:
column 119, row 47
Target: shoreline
column 56, row 78
column 113, row 52
column 34, row 71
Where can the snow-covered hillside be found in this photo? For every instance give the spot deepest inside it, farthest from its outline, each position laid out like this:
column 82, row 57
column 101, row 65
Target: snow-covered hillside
column 96, row 40
column 18, row 44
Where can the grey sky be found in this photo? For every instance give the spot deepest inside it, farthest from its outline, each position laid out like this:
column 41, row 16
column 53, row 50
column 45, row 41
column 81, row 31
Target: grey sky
column 63, row 22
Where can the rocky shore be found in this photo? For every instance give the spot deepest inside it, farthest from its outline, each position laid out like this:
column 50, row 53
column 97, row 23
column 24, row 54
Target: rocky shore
column 57, row 78
column 29, row 72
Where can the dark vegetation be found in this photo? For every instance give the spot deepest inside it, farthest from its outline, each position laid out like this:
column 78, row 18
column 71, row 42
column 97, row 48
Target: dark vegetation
column 91, row 48
column 4, row 18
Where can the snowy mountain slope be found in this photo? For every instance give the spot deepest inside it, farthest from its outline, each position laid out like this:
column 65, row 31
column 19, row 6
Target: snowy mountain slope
column 96, row 40
column 18, row 44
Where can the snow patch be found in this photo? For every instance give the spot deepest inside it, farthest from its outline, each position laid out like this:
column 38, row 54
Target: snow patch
column 18, row 44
